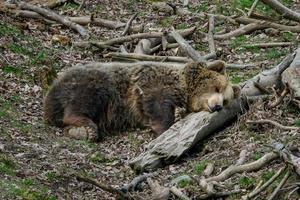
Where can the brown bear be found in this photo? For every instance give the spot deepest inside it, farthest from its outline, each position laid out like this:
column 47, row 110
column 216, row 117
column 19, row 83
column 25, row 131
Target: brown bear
column 91, row 101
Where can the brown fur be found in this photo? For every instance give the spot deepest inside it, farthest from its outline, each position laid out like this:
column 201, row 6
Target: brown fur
column 117, row 98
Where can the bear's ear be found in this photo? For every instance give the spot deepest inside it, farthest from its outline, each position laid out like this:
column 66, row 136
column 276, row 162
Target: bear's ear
column 138, row 91
column 236, row 91
column 217, row 66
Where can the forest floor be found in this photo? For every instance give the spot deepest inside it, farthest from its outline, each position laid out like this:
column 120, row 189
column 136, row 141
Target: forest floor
column 37, row 161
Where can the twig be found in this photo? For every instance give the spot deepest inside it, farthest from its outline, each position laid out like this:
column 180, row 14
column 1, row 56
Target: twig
column 284, row 11
column 268, row 121
column 261, row 88
column 291, row 192
column 252, row 7
column 208, row 169
column 265, row 185
column 128, row 24
column 211, row 42
column 178, row 193
column 187, row 48
column 282, row 182
column 241, row 31
column 241, row 66
column 102, row 186
column 55, row 17
column 270, row 44
column 82, row 4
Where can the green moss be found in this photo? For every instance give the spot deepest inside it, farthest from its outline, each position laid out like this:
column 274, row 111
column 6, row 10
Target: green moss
column 288, row 36
column 235, row 79
column 297, row 122
column 267, row 175
column 273, row 53
column 238, row 41
column 166, row 22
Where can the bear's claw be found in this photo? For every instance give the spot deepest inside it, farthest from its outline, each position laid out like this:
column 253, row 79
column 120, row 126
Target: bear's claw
column 82, row 132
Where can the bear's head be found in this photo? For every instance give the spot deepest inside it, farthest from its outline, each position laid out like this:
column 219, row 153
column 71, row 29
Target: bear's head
column 154, row 95
column 208, row 87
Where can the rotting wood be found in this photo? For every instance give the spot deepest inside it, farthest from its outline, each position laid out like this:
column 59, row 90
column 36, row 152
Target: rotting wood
column 55, row 17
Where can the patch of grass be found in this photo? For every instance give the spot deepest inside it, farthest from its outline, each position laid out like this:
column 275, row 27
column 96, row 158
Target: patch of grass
column 267, row 175
column 7, row 165
column 9, row 69
column 201, row 7
column 133, row 139
column 6, row 29
column 243, row 4
column 288, row 36
column 256, row 156
column 297, row 122
column 247, row 182
column 253, row 49
column 39, row 58
column 70, row 5
column 52, row 176
column 238, row 41
column 200, row 167
column 166, row 22
column 273, row 53
column 183, row 183
column 235, row 79
column 182, row 26
column 97, row 158
column 29, row 191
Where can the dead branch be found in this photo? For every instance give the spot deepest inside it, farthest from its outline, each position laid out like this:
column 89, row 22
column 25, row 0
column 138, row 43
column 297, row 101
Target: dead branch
column 282, row 182
column 211, row 42
column 252, row 8
column 291, row 76
column 82, row 5
column 178, row 193
column 135, row 182
column 55, row 17
column 241, row 31
column 102, row 186
column 270, row 44
column 241, row 66
column 279, row 99
column 128, row 24
column 158, row 192
column 266, row 78
column 253, row 166
column 246, row 20
column 129, row 38
column 258, row 190
column 143, row 47
column 187, row 48
column 143, row 57
column 268, row 121
column 284, row 11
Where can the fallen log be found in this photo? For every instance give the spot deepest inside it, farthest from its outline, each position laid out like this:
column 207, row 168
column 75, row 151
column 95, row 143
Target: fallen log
column 184, row 134
column 271, row 77
column 291, row 76
column 55, row 17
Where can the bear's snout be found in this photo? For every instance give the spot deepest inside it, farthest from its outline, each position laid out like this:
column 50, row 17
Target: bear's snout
column 216, row 108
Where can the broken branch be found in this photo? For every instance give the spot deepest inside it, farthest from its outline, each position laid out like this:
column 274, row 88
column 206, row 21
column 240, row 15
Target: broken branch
column 268, row 121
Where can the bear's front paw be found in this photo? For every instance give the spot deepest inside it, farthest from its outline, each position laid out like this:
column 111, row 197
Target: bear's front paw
column 82, row 133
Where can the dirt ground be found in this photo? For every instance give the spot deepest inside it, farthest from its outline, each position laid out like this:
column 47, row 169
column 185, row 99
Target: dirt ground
column 38, row 162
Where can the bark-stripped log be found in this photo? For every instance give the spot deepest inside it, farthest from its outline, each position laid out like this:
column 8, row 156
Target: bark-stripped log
column 184, row 135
